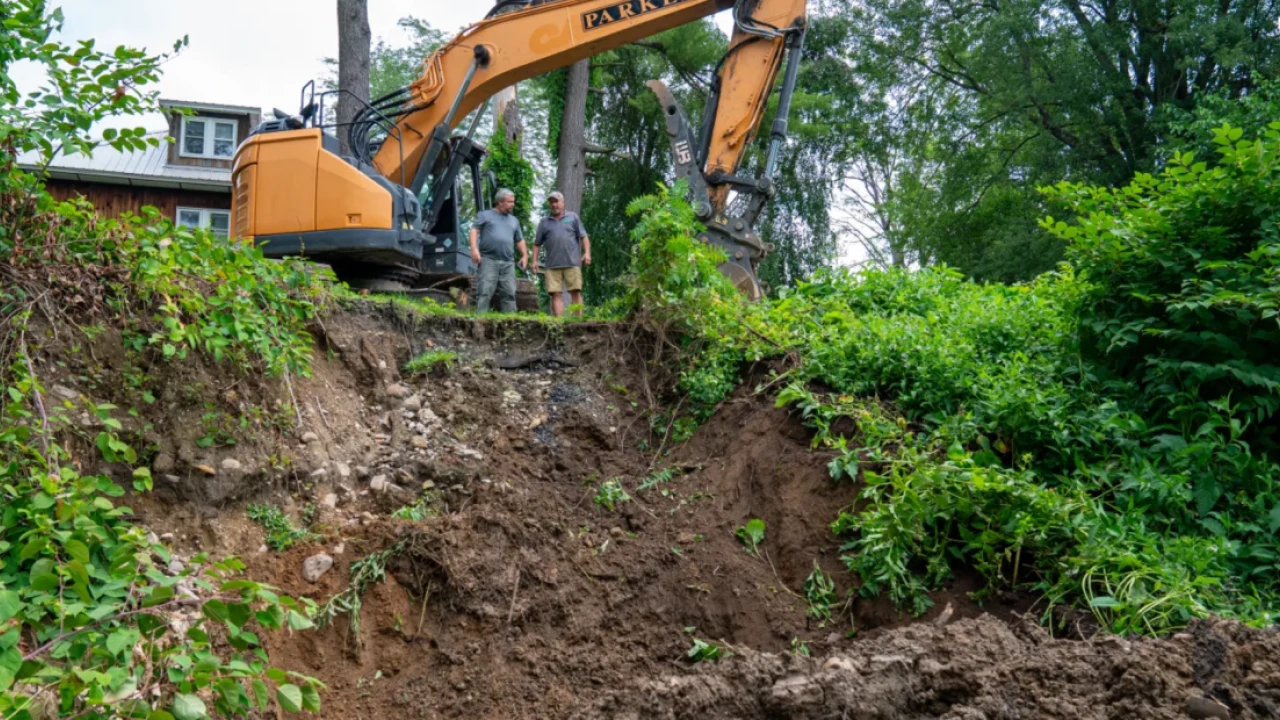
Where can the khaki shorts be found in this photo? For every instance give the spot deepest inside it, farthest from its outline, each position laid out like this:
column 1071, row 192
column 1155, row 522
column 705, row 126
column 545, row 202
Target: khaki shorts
column 561, row 279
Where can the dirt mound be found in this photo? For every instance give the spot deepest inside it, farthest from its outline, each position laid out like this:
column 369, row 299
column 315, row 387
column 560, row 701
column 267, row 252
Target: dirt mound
column 517, row 595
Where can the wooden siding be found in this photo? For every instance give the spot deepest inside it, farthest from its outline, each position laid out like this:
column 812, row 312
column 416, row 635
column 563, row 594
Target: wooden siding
column 114, row 200
column 244, row 126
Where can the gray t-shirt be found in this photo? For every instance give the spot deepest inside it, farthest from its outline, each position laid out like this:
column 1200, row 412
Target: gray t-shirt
column 563, row 240
column 498, row 235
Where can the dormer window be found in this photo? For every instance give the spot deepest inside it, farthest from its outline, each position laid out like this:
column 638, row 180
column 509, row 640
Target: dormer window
column 208, row 138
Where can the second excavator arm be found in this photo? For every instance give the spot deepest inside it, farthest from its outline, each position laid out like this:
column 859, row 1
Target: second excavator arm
column 538, row 37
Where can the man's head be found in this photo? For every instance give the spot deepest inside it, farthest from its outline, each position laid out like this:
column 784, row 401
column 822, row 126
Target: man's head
column 555, row 201
column 504, row 201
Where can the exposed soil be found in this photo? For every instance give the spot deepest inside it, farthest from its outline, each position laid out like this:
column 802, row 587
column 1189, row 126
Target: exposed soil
column 540, row 604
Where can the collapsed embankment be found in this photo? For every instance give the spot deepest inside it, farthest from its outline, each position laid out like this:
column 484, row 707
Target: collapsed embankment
column 514, row 593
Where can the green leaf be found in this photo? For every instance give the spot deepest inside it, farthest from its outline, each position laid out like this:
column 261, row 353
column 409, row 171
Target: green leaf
column 1275, row 520
column 160, row 715
column 310, row 699
column 290, row 698
column 78, row 551
column 261, row 693
column 10, row 605
column 1103, row 601
column 33, row 548
column 188, row 707
column 10, row 664
column 216, row 610
column 44, row 583
column 121, row 640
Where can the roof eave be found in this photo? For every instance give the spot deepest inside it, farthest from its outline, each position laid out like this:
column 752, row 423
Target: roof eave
column 131, row 180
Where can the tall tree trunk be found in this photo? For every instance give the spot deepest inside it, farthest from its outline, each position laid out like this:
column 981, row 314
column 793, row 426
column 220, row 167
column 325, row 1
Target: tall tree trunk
column 571, row 170
column 354, row 40
column 506, row 115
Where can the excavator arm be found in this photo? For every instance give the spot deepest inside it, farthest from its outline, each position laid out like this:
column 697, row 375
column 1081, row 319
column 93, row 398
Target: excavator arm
column 296, row 195
column 540, row 37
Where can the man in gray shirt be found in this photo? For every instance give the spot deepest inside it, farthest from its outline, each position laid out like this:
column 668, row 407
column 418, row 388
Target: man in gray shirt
column 568, row 248
column 495, row 237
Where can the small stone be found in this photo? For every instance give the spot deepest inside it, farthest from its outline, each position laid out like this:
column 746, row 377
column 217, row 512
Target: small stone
column 207, row 470
column 379, row 483
column 413, row 403
column 65, row 392
column 167, row 537
column 1204, row 708
column 419, row 442
column 314, row 567
column 362, row 472
column 617, row 532
column 262, row 549
column 467, row 452
column 176, row 567
column 343, row 470
column 152, row 538
column 231, row 464
column 310, row 437
column 319, row 473
column 397, row 391
column 838, row 664
column 339, row 548
column 330, row 500
column 428, row 485
column 686, row 538
column 428, row 417
column 171, row 479
column 511, row 397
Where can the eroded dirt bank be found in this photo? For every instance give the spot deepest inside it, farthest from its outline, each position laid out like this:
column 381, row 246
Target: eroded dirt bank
column 517, row 596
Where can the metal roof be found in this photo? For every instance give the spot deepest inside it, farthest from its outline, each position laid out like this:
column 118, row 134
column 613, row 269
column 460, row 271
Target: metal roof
column 211, row 107
column 148, row 167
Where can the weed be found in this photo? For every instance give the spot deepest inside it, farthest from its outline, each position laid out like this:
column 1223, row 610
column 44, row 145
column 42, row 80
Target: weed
column 703, row 651
column 611, row 495
column 364, row 572
column 751, row 535
column 281, row 532
column 659, row 477
column 799, row 647
column 820, row 592
column 433, row 362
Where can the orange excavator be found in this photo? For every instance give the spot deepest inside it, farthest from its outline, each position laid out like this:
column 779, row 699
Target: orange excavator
column 391, row 214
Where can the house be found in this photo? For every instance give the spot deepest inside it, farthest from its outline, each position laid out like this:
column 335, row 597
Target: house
column 187, row 180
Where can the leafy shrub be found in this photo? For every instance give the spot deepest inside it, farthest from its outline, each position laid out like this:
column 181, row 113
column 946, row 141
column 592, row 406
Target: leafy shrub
column 282, row 534
column 751, row 535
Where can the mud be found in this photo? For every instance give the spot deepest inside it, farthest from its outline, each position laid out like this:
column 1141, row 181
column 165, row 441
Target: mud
column 518, row 597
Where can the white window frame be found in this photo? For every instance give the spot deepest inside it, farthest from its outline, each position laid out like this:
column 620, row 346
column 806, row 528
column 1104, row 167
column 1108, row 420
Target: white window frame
column 206, row 215
column 210, row 127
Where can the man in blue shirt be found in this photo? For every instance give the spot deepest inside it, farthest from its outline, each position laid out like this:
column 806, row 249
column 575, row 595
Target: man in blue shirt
column 495, row 237
column 568, row 248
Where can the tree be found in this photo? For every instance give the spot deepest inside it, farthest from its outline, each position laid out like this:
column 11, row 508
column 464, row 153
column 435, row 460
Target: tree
column 354, row 46
column 1040, row 90
column 571, row 165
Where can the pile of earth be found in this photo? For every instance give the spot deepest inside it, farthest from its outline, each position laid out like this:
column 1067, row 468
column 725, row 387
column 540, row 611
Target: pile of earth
column 515, row 594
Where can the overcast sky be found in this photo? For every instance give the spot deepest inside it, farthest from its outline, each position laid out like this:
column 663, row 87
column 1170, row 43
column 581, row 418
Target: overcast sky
column 243, row 52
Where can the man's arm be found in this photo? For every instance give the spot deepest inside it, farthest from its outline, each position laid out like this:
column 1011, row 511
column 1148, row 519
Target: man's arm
column 523, row 247
column 539, row 239
column 475, row 245
column 585, row 241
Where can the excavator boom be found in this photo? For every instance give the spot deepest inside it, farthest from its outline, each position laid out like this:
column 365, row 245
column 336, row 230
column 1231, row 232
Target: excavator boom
column 418, row 158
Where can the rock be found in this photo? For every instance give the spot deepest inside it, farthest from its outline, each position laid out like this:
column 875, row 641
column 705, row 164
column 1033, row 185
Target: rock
column 343, row 470
column 339, row 548
column 428, row 417
column 1204, row 708
column 314, row 567
column 467, row 452
column 319, row 473
column 686, row 538
column 617, row 532
column 171, row 479
column 379, row 483
column 262, row 549
column 310, row 437
column 362, row 472
column 419, row 442
column 838, row 664
column 167, row 537
column 413, row 403
column 176, row 567
column 511, row 397
column 797, row 691
column 231, row 464
column 330, row 500
column 164, row 463
column 207, row 470
column 65, row 392
column 397, row 391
